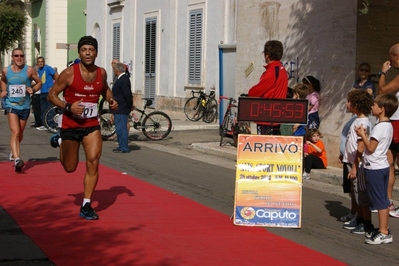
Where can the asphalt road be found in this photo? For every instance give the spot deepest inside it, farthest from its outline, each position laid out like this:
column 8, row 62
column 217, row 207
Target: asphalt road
column 173, row 165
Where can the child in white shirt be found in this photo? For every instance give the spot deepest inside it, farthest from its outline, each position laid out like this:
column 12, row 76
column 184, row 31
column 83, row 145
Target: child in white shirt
column 376, row 166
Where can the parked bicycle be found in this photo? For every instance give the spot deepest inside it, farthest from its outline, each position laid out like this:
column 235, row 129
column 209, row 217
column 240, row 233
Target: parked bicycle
column 155, row 125
column 230, row 126
column 202, row 106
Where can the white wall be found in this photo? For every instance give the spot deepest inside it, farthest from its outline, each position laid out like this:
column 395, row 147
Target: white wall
column 172, row 39
column 56, row 32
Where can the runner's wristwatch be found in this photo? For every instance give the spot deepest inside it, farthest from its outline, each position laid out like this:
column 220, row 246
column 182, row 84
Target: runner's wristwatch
column 381, row 73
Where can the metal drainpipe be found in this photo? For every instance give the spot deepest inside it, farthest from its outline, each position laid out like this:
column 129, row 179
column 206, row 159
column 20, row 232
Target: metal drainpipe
column 221, row 85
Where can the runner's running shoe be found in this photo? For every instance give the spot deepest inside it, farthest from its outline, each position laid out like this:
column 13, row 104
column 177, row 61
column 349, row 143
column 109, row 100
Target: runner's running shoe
column 54, row 141
column 87, row 212
column 18, row 165
column 10, row 156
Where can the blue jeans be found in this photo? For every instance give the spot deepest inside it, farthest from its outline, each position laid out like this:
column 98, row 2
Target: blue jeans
column 121, row 131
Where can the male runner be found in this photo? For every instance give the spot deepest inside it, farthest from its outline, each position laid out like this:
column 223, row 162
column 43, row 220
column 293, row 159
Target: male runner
column 82, row 85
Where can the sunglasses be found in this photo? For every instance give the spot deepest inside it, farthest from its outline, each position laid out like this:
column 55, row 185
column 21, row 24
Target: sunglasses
column 19, row 55
column 364, row 70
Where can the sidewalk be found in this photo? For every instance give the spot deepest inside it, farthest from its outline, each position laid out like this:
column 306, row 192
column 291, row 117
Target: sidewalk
column 331, row 175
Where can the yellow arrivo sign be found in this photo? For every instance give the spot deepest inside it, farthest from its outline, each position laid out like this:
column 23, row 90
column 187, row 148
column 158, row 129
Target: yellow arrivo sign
column 268, row 181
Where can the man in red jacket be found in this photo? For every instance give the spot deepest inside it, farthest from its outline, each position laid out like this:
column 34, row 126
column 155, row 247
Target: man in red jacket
column 272, row 84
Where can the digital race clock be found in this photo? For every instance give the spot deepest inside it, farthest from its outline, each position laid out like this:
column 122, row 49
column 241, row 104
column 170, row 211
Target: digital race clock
column 273, row 110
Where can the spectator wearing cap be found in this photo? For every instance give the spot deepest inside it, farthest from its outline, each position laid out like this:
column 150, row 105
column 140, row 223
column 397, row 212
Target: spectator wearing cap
column 314, row 101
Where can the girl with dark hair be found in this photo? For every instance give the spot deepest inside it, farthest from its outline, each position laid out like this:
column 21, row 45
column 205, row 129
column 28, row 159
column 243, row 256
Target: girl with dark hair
column 314, row 101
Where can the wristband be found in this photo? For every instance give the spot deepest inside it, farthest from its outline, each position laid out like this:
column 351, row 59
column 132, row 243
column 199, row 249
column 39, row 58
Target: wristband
column 381, row 73
column 68, row 107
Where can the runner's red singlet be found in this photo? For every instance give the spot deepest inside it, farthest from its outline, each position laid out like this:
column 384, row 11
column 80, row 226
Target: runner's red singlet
column 90, row 93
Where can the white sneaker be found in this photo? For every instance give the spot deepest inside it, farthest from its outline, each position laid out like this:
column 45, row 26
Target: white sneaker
column 305, row 176
column 41, row 128
column 10, row 156
column 394, row 213
column 379, row 238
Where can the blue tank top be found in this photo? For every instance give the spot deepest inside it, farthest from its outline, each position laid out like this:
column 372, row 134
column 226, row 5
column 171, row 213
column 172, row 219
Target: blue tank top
column 17, row 82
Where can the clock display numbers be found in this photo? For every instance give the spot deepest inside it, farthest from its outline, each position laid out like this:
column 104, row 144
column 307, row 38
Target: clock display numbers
column 273, row 110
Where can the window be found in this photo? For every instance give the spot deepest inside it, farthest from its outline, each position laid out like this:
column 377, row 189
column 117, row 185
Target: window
column 195, row 47
column 116, row 44
column 150, row 57
column 116, row 41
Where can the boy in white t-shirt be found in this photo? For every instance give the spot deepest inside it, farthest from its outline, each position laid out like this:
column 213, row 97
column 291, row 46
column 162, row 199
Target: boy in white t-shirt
column 359, row 103
column 376, row 166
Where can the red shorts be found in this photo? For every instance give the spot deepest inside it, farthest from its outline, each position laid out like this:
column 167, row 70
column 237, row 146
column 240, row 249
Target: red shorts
column 395, row 137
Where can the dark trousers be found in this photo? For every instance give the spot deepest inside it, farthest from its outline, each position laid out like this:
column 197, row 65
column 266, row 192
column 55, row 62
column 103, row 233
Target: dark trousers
column 44, row 105
column 121, row 131
column 313, row 162
column 36, row 109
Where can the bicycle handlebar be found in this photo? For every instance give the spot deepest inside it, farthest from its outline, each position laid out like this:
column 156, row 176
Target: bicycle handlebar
column 227, row 98
column 194, row 92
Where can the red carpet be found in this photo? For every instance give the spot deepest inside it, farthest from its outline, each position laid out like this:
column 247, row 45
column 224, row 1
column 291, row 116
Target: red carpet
column 140, row 224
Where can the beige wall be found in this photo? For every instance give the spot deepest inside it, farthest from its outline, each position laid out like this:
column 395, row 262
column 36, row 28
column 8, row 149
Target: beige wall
column 319, row 40
column 376, row 33
column 324, row 39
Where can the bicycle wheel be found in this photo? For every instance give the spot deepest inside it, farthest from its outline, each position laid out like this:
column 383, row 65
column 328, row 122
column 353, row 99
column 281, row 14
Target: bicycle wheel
column 210, row 114
column 107, row 124
column 224, row 127
column 193, row 109
column 51, row 117
column 156, row 125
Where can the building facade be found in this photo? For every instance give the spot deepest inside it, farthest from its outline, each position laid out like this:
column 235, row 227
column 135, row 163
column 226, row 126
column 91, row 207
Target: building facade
column 171, row 47
column 174, row 46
